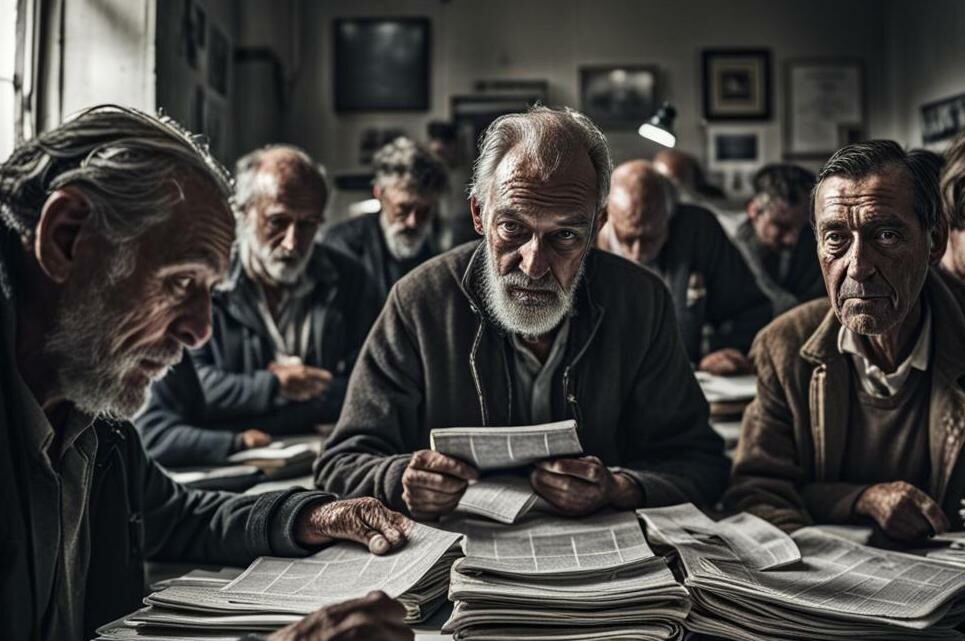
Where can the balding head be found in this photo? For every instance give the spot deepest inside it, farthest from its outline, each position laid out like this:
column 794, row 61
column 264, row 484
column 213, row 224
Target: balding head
column 679, row 167
column 639, row 208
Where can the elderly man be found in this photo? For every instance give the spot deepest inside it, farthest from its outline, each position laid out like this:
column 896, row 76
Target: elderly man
column 953, row 197
column 528, row 326
column 114, row 227
column 708, row 279
column 409, row 181
column 685, row 173
column 776, row 239
column 860, row 411
column 288, row 324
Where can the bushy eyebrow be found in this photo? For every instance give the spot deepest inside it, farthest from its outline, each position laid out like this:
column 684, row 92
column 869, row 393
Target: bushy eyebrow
column 573, row 220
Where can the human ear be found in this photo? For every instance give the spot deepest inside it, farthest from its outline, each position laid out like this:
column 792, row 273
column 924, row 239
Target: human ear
column 476, row 215
column 58, row 233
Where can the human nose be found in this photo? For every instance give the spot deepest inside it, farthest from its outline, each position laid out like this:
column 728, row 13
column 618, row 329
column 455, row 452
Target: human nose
column 289, row 241
column 534, row 262
column 860, row 264
column 411, row 220
column 192, row 327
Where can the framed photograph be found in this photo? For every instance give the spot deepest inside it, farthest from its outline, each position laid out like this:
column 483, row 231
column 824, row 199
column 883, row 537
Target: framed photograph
column 825, row 107
column 942, row 119
column 219, row 52
column 737, row 84
column 619, row 96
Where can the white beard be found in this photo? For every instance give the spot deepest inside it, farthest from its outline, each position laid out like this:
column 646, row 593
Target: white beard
column 401, row 245
column 273, row 263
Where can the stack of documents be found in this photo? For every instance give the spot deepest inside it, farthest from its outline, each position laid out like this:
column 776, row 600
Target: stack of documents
column 552, row 578
column 274, row 592
column 749, row 581
column 504, row 496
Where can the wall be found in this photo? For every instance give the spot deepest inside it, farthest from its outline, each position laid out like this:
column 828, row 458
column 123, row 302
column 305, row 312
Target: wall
column 551, row 39
column 926, row 61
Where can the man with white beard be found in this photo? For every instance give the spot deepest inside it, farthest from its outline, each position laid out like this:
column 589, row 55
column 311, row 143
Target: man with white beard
column 288, row 324
column 530, row 325
column 409, row 181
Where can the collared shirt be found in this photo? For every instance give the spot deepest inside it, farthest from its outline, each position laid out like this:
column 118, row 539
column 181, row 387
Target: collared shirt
column 534, row 380
column 291, row 325
column 873, row 379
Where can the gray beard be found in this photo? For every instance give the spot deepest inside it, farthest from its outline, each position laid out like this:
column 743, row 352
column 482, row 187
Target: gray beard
column 400, row 246
column 264, row 261
column 529, row 321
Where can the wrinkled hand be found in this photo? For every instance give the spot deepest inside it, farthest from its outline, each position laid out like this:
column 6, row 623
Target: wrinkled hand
column 374, row 617
column 726, row 362
column 364, row 520
column 433, row 483
column 578, row 486
column 300, row 382
column 254, row 438
column 903, row 512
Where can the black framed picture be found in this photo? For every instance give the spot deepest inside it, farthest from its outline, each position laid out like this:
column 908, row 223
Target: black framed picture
column 382, row 64
column 619, row 96
column 737, row 84
column 942, row 119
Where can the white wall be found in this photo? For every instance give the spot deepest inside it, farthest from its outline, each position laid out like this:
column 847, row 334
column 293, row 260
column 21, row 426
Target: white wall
column 551, row 39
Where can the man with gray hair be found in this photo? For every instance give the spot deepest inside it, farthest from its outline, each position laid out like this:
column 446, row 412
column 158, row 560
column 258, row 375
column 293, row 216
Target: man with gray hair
column 860, row 409
column 409, row 181
column 530, row 325
column 288, row 324
column 114, row 227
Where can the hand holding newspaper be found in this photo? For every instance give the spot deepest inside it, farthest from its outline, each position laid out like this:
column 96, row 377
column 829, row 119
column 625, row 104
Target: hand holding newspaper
column 506, row 497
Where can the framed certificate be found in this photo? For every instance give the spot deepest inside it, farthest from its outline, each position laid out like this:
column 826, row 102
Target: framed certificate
column 825, row 107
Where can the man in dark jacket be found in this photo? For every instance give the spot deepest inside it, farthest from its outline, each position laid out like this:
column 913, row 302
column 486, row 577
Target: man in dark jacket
column 708, row 279
column 114, row 226
column 288, row 325
column 409, row 181
column 776, row 239
column 531, row 325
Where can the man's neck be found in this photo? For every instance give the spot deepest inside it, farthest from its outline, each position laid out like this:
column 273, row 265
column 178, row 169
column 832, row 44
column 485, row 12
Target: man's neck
column 889, row 350
column 540, row 346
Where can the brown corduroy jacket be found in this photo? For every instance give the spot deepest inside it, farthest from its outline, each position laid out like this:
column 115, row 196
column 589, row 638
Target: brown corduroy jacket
column 789, row 460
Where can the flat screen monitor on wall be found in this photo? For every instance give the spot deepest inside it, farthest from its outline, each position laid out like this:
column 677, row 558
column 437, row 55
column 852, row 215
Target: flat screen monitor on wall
column 382, row 64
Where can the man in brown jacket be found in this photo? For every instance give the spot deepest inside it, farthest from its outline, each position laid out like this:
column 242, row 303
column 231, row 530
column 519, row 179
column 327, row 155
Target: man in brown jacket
column 860, row 412
column 531, row 325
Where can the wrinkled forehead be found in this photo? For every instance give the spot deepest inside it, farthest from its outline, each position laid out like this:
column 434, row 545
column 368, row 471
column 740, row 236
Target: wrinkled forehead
column 889, row 191
column 200, row 229
column 566, row 182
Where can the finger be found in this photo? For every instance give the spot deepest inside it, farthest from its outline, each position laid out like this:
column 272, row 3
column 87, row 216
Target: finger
column 388, row 529
column 425, row 499
column 588, row 468
column 433, row 480
column 933, row 514
column 908, row 525
column 437, row 462
column 317, row 375
column 562, row 484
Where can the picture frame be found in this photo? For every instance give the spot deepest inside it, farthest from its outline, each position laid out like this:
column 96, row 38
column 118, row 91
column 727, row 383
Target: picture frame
column 942, row 119
column 826, row 106
column 619, row 96
column 735, row 152
column 737, row 84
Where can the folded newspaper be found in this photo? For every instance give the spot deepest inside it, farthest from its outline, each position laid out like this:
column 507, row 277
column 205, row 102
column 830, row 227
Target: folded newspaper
column 504, row 497
column 274, row 592
column 835, row 589
column 553, row 578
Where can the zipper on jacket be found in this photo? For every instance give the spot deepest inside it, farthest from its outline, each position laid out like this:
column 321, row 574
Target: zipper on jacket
column 570, row 397
column 475, row 373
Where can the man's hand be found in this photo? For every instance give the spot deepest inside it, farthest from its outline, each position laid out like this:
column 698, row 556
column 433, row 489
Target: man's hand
column 903, row 512
column 578, row 486
column 300, row 382
column 726, row 362
column 374, row 617
column 364, row 520
column 254, row 438
column 433, row 483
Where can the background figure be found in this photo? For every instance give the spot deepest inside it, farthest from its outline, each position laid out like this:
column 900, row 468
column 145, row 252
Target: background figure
column 953, row 198
column 288, row 324
column 455, row 223
column 777, row 241
column 685, row 172
column 409, row 182
column 708, row 279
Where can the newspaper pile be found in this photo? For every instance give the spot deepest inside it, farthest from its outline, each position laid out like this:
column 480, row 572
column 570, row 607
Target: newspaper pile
column 552, row 578
column 502, row 494
column 274, row 592
column 749, row 581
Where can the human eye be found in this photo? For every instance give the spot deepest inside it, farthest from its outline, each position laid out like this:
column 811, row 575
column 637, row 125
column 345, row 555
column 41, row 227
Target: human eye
column 510, row 227
column 834, row 239
column 888, row 237
column 181, row 284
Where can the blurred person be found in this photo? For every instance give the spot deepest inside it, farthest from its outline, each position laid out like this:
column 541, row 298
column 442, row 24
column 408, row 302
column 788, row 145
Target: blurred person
column 530, row 325
column 685, row 172
column 409, row 183
column 776, row 239
column 953, row 197
column 455, row 220
column 860, row 412
column 709, row 281
column 114, row 226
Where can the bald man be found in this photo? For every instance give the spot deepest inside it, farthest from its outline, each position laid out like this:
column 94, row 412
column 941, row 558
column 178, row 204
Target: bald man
column 685, row 173
column 709, row 281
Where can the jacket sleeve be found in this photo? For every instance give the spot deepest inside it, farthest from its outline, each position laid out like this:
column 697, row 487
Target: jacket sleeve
column 198, row 526
column 233, row 395
column 736, row 307
column 380, row 416
column 767, row 474
column 673, row 453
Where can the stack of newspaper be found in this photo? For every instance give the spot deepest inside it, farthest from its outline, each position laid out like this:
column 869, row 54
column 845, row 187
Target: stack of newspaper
column 552, row 578
column 501, row 494
column 274, row 592
column 749, row 581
